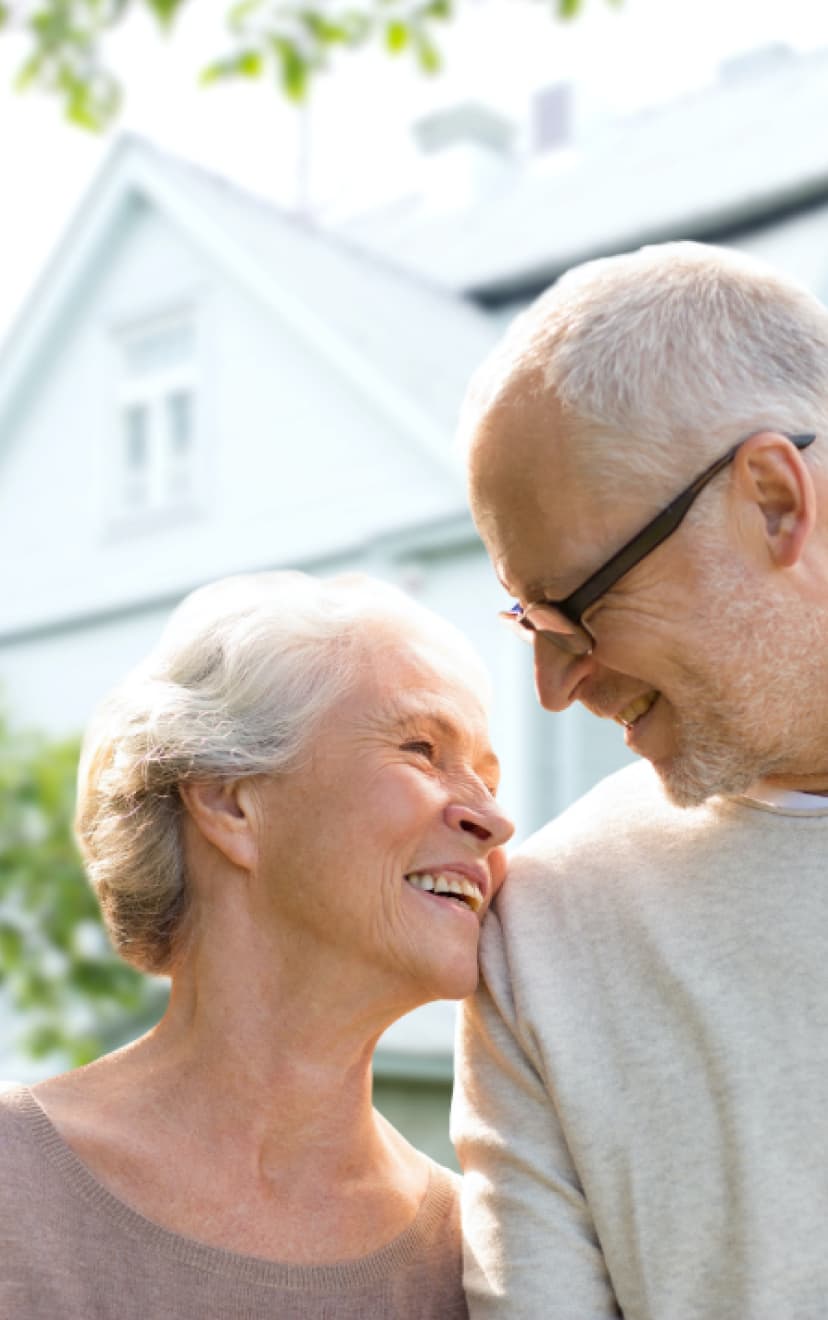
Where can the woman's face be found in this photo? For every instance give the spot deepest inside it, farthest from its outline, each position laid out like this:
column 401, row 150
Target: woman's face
column 383, row 850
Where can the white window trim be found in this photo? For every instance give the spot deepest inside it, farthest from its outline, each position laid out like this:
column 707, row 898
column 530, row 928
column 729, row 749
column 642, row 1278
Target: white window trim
column 151, row 391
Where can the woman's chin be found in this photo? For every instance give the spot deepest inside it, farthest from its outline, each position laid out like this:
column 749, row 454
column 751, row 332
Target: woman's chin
column 455, row 979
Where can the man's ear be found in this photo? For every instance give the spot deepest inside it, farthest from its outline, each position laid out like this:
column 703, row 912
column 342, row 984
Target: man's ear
column 775, row 478
column 225, row 816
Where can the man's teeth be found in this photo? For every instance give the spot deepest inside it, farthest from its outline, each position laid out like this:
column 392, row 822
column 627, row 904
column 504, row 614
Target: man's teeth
column 448, row 883
column 636, row 709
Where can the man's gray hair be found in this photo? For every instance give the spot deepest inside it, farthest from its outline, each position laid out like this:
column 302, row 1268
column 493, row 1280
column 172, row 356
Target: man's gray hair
column 244, row 672
column 676, row 346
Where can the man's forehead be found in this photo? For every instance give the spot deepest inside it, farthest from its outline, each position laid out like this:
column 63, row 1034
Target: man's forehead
column 530, row 499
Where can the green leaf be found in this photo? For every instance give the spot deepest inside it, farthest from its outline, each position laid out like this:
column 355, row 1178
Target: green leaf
column 95, row 979
column 324, row 30
column 11, row 946
column 29, row 72
column 166, row 11
column 443, row 9
column 244, row 64
column 249, row 63
column 81, row 1049
column 43, row 1040
column 294, row 70
column 396, row 36
column 569, row 8
column 428, row 56
column 45, row 961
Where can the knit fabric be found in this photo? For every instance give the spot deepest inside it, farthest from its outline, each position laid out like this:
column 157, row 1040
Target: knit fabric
column 642, row 1110
column 70, row 1250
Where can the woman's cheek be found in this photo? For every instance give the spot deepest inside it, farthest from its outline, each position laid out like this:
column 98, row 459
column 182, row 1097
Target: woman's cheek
column 498, row 864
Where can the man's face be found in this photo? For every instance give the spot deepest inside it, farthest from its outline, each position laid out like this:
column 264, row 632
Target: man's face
column 681, row 660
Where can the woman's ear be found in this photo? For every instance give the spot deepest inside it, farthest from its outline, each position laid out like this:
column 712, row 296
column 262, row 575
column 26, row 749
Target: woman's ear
column 224, row 814
column 775, row 478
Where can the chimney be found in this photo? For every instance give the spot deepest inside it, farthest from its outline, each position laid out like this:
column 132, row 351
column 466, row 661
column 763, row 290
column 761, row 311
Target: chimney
column 470, row 123
column 551, row 118
column 468, row 150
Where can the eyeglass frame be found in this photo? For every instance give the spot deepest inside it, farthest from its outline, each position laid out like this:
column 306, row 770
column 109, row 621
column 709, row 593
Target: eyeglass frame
column 651, row 535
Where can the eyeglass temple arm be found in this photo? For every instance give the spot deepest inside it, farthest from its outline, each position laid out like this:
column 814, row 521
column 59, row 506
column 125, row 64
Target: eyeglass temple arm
column 653, row 534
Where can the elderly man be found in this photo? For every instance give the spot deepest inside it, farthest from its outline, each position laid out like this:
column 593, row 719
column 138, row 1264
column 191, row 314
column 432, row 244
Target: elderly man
column 643, row 1106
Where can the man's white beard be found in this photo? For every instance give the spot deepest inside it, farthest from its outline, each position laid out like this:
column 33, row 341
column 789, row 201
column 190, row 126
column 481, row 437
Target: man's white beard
column 760, row 711
column 711, row 761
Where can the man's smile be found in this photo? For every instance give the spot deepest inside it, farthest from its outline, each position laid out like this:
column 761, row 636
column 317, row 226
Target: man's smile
column 633, row 712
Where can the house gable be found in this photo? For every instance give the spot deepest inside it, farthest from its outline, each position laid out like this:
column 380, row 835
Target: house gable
column 329, row 393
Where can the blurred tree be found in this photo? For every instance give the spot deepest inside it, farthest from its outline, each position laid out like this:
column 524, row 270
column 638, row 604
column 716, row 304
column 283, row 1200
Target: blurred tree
column 288, row 40
column 73, row 996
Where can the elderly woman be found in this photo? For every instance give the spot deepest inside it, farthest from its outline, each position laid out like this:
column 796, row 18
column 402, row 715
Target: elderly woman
column 289, row 810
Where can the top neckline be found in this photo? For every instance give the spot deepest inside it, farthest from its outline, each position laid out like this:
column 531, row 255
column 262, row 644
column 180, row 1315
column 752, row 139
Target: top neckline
column 792, row 801
column 221, row 1260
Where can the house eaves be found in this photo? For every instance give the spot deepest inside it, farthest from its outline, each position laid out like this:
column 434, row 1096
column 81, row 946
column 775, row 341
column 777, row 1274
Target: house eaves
column 421, row 540
column 727, row 225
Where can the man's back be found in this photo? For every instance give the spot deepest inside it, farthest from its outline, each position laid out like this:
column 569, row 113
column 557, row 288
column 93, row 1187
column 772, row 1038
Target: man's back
column 643, row 1111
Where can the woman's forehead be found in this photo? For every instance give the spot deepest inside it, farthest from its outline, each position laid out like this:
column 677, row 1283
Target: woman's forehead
column 431, row 649
column 406, row 678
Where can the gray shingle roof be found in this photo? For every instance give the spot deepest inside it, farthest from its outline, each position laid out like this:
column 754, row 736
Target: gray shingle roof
column 730, row 155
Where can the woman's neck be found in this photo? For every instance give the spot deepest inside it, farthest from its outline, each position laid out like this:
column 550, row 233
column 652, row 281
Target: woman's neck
column 245, row 1118
column 263, row 1057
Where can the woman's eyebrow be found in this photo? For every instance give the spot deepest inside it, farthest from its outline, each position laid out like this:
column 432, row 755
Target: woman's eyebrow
column 448, row 728
column 406, row 714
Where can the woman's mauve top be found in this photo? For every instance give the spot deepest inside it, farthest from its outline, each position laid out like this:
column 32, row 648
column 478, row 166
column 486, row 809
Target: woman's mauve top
column 70, row 1250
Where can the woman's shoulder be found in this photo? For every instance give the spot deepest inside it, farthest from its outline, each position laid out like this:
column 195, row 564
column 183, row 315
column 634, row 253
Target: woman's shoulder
column 439, row 1216
column 427, row 1278
column 22, row 1159
column 16, row 1106
column 445, row 1183
column 23, row 1128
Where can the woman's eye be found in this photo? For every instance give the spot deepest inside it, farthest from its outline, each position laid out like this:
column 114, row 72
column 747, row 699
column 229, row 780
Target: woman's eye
column 421, row 747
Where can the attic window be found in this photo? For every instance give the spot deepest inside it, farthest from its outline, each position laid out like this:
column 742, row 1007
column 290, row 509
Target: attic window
column 156, row 433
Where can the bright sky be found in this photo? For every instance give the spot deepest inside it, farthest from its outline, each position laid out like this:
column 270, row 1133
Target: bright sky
column 621, row 58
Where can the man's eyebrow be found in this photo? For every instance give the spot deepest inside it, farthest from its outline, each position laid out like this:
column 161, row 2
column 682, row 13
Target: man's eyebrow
column 534, row 591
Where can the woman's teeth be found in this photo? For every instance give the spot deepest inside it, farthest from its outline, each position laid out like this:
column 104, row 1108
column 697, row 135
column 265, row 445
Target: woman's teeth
column 636, row 709
column 448, row 883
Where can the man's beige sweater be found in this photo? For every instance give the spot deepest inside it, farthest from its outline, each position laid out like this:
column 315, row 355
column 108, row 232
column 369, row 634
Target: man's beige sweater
column 70, row 1250
column 643, row 1102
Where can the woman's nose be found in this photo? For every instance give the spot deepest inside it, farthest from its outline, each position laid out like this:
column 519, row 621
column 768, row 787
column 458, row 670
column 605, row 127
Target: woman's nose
column 488, row 823
column 557, row 674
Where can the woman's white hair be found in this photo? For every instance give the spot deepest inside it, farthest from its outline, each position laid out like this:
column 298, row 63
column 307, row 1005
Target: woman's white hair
column 677, row 346
column 237, row 685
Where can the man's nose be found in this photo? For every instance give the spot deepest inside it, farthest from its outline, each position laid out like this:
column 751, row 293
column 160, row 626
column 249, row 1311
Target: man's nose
column 557, row 674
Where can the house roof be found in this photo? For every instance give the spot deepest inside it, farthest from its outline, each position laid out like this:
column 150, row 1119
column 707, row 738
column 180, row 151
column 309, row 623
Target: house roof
column 408, row 346
column 733, row 155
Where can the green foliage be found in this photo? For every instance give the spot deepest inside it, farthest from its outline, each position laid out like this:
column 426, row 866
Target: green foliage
column 73, row 996
column 289, row 41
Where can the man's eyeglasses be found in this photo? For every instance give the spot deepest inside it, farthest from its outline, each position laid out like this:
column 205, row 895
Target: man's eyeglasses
column 560, row 620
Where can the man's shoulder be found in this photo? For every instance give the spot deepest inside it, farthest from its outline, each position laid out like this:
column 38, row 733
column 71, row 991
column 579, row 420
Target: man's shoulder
column 627, row 803
column 600, row 846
